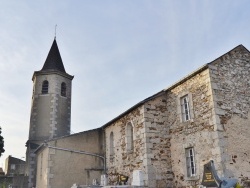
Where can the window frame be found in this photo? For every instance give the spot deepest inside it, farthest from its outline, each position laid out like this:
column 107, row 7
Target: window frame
column 180, row 97
column 185, row 108
column 190, row 162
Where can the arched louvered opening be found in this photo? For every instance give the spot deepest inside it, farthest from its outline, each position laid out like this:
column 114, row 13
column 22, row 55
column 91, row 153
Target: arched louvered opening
column 45, row 87
column 63, row 89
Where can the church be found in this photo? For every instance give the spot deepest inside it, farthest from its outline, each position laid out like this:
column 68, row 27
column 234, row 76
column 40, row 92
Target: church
column 165, row 139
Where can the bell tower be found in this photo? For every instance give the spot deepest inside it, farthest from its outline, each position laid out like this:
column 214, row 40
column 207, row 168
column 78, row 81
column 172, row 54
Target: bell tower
column 51, row 106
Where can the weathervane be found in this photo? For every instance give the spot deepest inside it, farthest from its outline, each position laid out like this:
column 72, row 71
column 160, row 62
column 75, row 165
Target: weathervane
column 55, row 30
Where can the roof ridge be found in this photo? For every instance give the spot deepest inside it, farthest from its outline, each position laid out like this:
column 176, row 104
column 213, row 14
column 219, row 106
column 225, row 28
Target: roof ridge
column 240, row 45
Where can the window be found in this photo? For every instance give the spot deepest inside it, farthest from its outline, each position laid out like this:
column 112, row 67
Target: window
column 12, row 166
column 190, row 162
column 63, row 89
column 45, row 87
column 185, row 108
column 129, row 137
column 111, row 143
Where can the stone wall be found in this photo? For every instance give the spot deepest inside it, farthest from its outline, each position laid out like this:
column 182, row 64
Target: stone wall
column 218, row 128
column 43, row 168
column 66, row 165
column 231, row 87
column 158, row 158
column 50, row 113
column 123, row 161
column 198, row 132
column 151, row 152
column 19, row 166
column 164, row 137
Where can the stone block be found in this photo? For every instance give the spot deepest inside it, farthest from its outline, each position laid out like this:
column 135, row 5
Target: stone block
column 213, row 67
column 219, row 111
column 214, row 85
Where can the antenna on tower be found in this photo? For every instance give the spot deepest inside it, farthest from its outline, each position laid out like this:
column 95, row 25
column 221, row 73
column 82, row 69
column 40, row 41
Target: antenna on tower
column 55, row 30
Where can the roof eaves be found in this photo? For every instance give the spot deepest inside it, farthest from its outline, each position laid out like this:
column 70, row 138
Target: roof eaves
column 52, row 71
column 133, row 107
column 197, row 71
column 70, row 135
column 240, row 45
column 42, row 146
column 202, row 68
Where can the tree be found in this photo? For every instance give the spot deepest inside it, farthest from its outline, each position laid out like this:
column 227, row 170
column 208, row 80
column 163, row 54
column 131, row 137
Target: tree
column 1, row 143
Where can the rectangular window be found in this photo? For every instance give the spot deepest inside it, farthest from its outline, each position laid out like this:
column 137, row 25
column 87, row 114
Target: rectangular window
column 12, row 166
column 190, row 162
column 185, row 108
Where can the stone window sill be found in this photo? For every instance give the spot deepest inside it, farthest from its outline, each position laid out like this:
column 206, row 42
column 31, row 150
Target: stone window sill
column 188, row 121
column 130, row 151
column 192, row 178
column 45, row 94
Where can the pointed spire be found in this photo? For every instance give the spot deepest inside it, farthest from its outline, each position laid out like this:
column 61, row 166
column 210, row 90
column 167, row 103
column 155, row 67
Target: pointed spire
column 54, row 60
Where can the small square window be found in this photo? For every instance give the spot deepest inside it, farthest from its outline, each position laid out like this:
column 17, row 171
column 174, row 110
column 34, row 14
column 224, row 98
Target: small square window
column 12, row 166
column 185, row 108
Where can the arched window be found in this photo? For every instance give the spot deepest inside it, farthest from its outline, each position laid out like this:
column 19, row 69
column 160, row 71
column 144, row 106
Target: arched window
column 63, row 89
column 111, row 146
column 45, row 87
column 129, row 137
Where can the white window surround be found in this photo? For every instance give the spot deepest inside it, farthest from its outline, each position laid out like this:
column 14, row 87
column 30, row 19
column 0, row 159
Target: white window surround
column 185, row 111
column 189, row 176
column 129, row 137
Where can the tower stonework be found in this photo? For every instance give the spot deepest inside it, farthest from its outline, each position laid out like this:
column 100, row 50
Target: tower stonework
column 51, row 107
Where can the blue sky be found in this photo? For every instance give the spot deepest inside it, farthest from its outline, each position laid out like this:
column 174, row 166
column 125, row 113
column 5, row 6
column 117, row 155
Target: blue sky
column 120, row 52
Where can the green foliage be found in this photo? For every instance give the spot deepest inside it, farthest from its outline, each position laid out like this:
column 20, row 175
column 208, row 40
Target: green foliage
column 1, row 143
column 5, row 182
column 238, row 186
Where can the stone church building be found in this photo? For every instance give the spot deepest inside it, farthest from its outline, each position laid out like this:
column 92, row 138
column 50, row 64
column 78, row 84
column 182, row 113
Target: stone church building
column 168, row 137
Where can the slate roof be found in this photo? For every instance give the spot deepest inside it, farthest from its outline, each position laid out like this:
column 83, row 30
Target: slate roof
column 54, row 60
